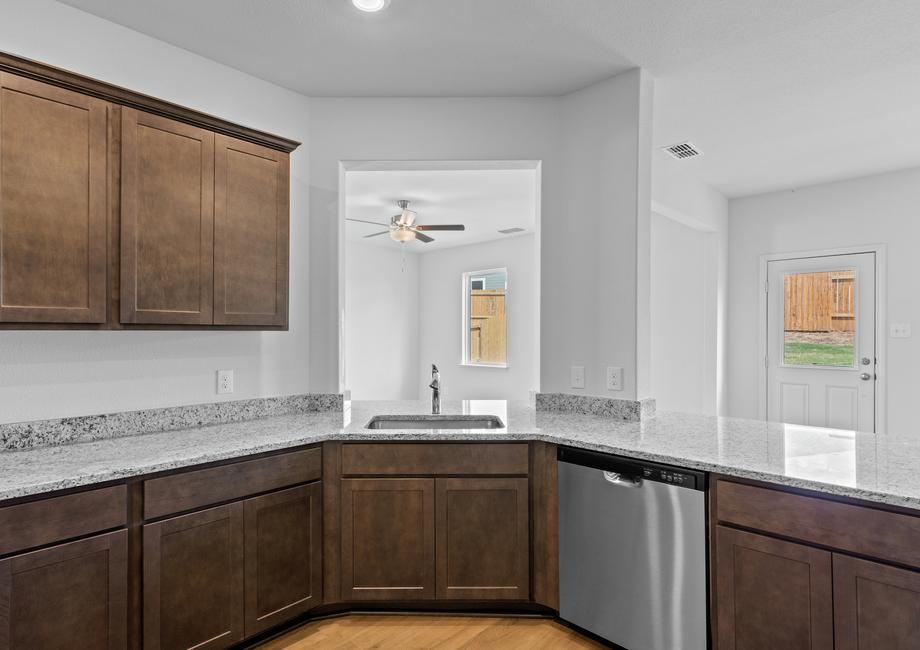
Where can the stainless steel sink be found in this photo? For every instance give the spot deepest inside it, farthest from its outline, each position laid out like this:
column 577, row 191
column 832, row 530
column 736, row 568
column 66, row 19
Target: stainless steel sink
column 445, row 421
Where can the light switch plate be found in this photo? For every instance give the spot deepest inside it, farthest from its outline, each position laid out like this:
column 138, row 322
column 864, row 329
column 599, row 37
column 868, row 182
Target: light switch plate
column 614, row 378
column 900, row 330
column 224, row 382
column 578, row 377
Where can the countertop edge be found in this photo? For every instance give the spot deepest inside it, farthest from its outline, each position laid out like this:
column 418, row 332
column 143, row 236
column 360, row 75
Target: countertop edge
column 115, row 475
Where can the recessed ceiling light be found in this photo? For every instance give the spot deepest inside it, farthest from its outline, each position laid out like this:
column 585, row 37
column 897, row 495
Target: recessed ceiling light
column 370, row 5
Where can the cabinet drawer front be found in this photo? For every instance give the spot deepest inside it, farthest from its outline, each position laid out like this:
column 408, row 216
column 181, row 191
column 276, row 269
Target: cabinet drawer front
column 190, row 490
column 28, row 525
column 434, row 459
column 867, row 531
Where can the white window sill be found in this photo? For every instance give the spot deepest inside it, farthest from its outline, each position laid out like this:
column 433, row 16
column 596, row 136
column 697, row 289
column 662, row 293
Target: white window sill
column 483, row 365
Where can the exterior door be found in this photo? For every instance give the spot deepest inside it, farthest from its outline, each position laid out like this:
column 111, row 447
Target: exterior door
column 821, row 353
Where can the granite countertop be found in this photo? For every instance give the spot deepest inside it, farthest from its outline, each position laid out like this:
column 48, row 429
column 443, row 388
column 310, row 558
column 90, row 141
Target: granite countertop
column 878, row 468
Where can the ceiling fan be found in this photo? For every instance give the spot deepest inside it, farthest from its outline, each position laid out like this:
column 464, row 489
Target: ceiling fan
column 402, row 226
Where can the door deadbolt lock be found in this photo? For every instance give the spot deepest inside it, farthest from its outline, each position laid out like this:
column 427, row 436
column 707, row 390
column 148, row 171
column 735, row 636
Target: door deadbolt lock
column 865, row 361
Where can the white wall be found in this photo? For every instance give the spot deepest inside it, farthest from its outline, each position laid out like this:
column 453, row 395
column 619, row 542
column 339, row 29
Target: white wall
column 595, row 249
column 441, row 330
column 353, row 129
column 381, row 322
column 47, row 374
column 870, row 210
column 680, row 302
column 703, row 212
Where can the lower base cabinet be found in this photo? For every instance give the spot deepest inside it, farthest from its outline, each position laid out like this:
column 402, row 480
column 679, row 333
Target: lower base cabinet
column 193, row 580
column 72, row 595
column 215, row 577
column 772, row 594
column 876, row 607
column 482, row 539
column 409, row 539
column 283, row 550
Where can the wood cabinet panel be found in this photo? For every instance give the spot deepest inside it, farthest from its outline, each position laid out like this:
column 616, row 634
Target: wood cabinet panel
column 772, row 594
column 251, row 224
column 876, row 607
column 866, row 531
column 194, row 489
column 483, row 538
column 46, row 521
column 388, row 539
column 53, row 200
column 443, row 458
column 68, row 596
column 167, row 221
column 284, row 563
column 193, row 580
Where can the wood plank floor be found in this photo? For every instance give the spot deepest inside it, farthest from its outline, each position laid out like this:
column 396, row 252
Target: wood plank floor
column 403, row 632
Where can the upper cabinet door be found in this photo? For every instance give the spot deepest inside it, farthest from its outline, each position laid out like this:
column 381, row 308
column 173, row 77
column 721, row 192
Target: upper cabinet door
column 52, row 204
column 250, row 234
column 167, row 221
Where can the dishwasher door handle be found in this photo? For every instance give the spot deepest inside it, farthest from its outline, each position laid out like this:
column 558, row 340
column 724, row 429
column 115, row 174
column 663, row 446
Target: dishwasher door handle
column 615, row 478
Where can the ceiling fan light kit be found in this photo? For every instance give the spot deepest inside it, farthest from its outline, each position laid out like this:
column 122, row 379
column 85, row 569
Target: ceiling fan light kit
column 402, row 227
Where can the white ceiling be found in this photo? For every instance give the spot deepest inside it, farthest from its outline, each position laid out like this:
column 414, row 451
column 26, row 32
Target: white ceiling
column 777, row 93
column 485, row 201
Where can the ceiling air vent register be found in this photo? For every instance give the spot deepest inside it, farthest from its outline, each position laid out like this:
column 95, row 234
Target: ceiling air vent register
column 683, row 150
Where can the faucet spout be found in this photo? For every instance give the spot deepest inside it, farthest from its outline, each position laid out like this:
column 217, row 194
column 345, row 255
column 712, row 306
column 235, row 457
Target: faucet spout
column 435, row 387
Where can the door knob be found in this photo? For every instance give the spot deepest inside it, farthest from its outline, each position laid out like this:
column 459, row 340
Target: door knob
column 865, row 376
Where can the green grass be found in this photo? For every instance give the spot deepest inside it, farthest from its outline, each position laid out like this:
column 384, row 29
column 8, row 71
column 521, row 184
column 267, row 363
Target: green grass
column 817, row 354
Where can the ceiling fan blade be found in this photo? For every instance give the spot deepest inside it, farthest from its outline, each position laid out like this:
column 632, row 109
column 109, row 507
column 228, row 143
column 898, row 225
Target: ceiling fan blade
column 376, row 234
column 441, row 227
column 375, row 223
column 422, row 238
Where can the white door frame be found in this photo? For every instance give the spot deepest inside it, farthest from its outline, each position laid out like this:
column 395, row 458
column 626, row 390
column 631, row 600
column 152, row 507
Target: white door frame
column 881, row 331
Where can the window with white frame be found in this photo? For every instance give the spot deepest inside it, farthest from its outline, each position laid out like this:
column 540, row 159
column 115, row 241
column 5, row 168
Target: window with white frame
column 485, row 324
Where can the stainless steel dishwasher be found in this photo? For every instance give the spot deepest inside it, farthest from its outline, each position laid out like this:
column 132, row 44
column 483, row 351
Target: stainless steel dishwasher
column 632, row 550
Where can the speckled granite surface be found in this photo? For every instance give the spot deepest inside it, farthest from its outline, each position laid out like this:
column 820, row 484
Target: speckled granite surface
column 629, row 410
column 42, row 433
column 864, row 466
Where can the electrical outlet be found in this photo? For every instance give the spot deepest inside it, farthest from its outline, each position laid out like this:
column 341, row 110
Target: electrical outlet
column 900, row 330
column 614, row 378
column 578, row 377
column 224, row 382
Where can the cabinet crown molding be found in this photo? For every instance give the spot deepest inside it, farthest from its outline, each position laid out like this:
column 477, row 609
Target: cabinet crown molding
column 124, row 97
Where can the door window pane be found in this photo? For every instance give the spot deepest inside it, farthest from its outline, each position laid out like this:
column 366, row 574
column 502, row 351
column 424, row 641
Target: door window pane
column 486, row 293
column 819, row 318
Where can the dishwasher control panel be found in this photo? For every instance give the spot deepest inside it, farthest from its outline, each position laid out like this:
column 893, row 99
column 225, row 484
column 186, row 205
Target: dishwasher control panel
column 672, row 476
column 635, row 469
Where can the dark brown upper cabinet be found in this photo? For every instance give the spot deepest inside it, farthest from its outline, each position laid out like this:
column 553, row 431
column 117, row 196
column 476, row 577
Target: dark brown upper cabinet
column 122, row 210
column 52, row 204
column 251, row 187
column 167, row 221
